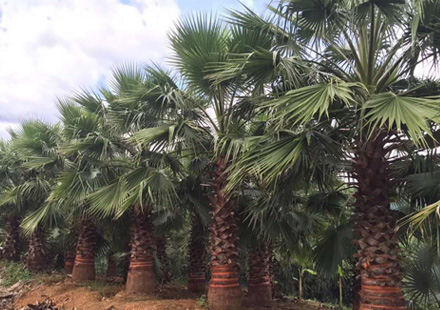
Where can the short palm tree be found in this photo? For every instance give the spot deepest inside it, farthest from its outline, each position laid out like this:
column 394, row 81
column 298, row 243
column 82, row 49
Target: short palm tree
column 36, row 144
column 138, row 181
column 362, row 56
column 12, row 174
column 195, row 203
column 86, row 153
column 292, row 215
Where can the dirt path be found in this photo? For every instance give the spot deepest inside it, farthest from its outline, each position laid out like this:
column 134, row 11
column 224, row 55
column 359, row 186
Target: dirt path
column 107, row 296
column 68, row 295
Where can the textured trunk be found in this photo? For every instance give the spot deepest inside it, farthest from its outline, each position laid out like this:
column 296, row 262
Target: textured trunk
column 356, row 290
column 36, row 256
column 161, row 251
column 84, row 267
column 224, row 291
column 11, row 248
column 259, row 284
column 69, row 262
column 378, row 253
column 140, row 278
column 111, row 266
column 197, row 258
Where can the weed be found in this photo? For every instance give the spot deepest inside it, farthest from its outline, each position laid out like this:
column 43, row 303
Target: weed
column 102, row 288
column 202, row 302
column 12, row 273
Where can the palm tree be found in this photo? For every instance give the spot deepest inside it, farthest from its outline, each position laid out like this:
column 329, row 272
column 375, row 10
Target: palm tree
column 11, row 175
column 199, row 42
column 193, row 209
column 195, row 206
column 107, row 176
column 291, row 218
column 86, row 147
column 163, row 121
column 36, row 144
column 137, row 181
column 362, row 57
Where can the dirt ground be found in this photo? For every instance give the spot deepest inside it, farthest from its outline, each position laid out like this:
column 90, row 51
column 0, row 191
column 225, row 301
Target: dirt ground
column 101, row 295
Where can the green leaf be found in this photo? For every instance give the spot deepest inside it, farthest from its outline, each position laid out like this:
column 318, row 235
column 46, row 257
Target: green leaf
column 334, row 247
column 154, row 134
column 299, row 106
column 38, row 162
column 198, row 41
column 49, row 215
column 394, row 112
column 142, row 186
column 310, row 271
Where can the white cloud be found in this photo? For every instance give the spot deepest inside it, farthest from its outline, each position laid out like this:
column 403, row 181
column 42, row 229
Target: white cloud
column 49, row 48
column 249, row 3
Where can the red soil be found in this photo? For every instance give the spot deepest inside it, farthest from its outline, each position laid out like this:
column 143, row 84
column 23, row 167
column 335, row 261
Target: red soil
column 109, row 296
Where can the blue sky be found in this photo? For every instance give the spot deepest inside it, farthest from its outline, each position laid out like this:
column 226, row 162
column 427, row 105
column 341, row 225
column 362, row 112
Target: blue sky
column 51, row 48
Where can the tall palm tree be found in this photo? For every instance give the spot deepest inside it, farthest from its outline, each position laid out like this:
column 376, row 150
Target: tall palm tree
column 362, row 56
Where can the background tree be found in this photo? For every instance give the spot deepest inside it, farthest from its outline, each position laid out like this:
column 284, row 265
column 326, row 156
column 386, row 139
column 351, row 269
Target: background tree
column 11, row 175
column 36, row 144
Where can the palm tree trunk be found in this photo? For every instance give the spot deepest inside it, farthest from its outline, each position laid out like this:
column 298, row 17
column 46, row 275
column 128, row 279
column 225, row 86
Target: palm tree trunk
column 36, row 256
column 224, row 291
column 161, row 251
column 111, row 265
column 356, row 291
column 84, row 267
column 259, row 284
column 11, row 248
column 69, row 262
column 378, row 253
column 197, row 258
column 140, row 278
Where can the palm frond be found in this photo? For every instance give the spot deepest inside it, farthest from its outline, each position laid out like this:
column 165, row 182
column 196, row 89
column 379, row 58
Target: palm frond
column 198, row 41
column 48, row 215
column 299, row 106
column 142, row 186
column 333, row 248
column 394, row 112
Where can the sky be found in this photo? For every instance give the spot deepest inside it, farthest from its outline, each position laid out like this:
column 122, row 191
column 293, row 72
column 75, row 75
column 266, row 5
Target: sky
column 52, row 48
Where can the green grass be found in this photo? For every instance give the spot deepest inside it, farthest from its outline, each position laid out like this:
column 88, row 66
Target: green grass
column 202, row 302
column 12, row 273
